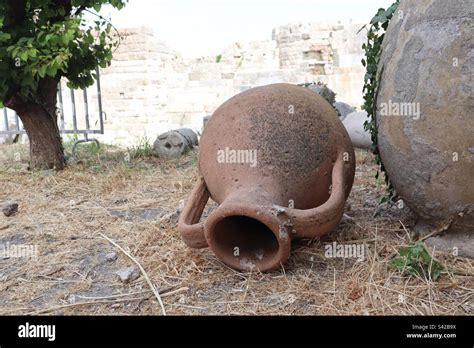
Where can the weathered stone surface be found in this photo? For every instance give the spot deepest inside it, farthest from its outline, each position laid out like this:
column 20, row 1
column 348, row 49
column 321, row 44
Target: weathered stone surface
column 128, row 274
column 110, row 257
column 175, row 143
column 428, row 63
column 344, row 109
column 354, row 124
column 456, row 243
column 324, row 92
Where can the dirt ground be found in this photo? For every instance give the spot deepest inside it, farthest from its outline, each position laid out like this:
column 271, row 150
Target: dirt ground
column 72, row 217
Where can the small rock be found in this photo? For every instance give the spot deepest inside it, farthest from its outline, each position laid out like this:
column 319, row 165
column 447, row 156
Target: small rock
column 9, row 208
column 128, row 274
column 111, row 256
column 175, row 143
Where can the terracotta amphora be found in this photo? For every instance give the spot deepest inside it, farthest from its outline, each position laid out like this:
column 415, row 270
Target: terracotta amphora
column 280, row 164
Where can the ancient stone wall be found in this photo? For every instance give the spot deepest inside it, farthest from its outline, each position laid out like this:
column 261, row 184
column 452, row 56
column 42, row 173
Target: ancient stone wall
column 150, row 88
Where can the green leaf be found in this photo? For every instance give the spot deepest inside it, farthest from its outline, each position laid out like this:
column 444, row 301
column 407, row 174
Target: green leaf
column 417, row 261
column 373, row 49
column 23, row 56
column 4, row 37
column 42, row 71
column 57, row 42
column 52, row 70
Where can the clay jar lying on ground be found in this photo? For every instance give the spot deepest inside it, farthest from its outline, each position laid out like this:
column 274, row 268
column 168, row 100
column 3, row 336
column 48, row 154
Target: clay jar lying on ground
column 280, row 164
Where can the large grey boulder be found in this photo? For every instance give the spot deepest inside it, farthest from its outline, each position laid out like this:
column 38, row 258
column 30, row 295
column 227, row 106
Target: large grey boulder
column 425, row 111
column 344, row 109
column 354, row 123
column 329, row 95
column 324, row 91
column 175, row 143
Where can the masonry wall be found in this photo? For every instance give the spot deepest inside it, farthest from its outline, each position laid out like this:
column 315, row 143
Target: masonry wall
column 150, row 88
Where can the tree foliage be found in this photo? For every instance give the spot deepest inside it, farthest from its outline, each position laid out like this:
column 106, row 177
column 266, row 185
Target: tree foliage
column 41, row 39
column 373, row 51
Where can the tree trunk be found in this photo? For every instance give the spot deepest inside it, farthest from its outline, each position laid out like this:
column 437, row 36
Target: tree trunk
column 46, row 150
column 40, row 122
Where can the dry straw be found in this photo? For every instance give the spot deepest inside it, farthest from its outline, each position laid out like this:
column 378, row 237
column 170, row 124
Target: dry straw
column 68, row 215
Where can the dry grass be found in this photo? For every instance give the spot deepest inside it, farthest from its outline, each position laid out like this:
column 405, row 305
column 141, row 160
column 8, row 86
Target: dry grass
column 65, row 214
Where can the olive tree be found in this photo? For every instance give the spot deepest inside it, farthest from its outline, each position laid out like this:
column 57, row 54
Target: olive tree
column 42, row 41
